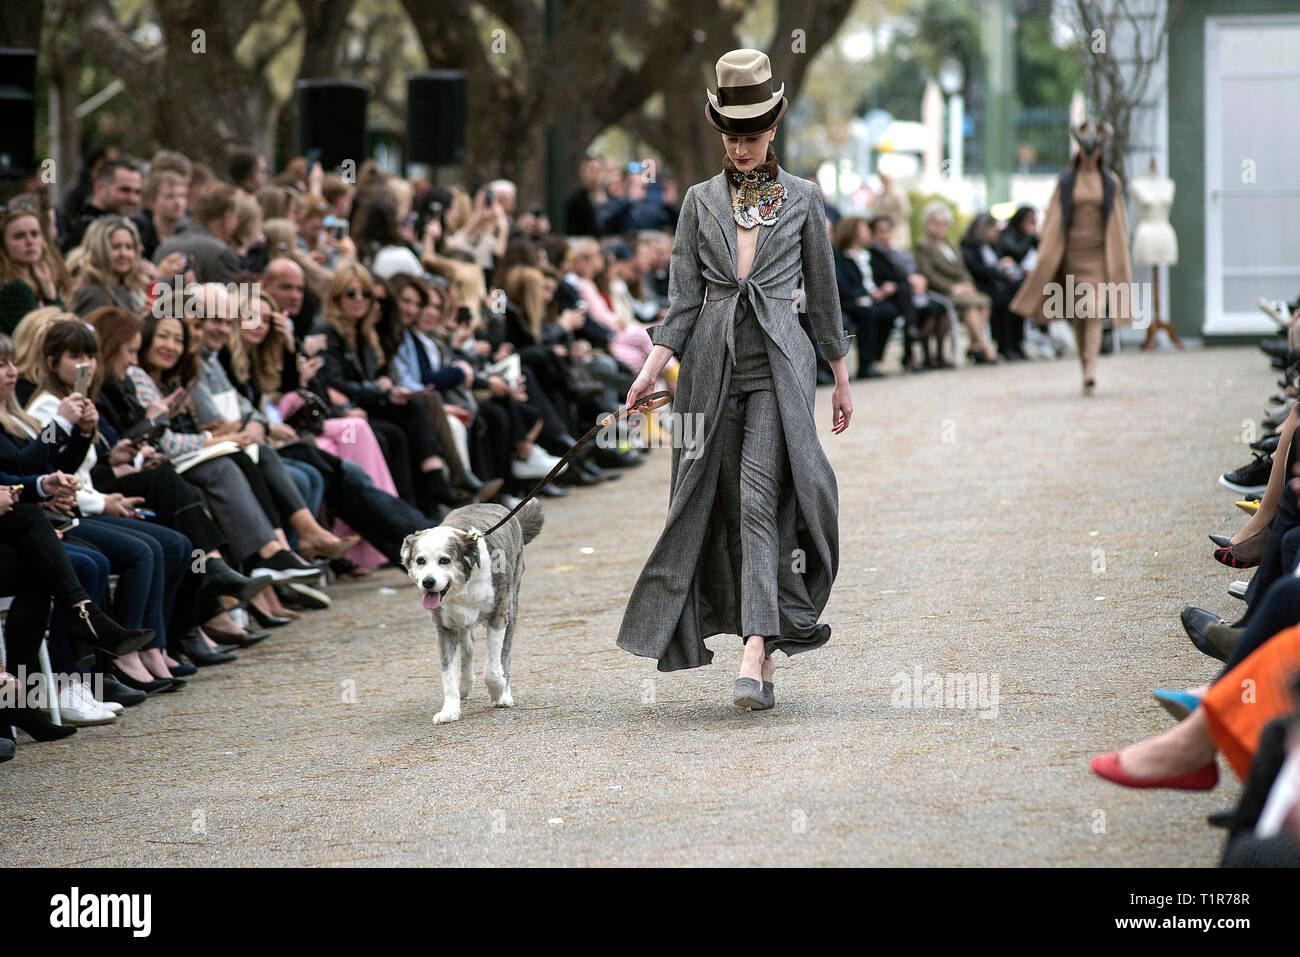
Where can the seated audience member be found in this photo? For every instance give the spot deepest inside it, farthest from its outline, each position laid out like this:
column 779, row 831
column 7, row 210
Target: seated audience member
column 378, row 237
column 868, row 306
column 353, row 360
column 233, row 488
column 247, row 169
column 215, row 214
column 152, row 560
column 166, row 195
column 934, row 313
column 998, row 278
column 106, row 267
column 945, row 272
column 32, row 273
column 84, row 187
column 217, row 402
column 629, row 343
column 117, row 190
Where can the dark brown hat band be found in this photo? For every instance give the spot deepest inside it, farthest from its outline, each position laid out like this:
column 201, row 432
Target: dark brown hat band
column 745, row 127
column 744, row 95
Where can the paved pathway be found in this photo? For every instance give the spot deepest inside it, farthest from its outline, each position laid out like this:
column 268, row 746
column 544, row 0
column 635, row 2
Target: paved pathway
column 993, row 524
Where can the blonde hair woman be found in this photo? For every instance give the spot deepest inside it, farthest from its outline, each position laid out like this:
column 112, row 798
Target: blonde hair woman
column 354, row 364
column 106, row 267
column 525, row 286
column 262, row 363
column 29, row 341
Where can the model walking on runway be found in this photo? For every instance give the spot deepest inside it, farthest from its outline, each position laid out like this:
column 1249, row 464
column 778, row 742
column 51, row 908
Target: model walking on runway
column 751, row 543
column 1083, row 246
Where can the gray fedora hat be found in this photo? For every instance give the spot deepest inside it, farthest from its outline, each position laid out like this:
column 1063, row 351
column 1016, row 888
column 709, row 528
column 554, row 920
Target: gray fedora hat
column 745, row 103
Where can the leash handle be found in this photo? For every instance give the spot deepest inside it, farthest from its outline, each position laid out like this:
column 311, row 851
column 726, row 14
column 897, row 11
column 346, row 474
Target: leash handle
column 649, row 403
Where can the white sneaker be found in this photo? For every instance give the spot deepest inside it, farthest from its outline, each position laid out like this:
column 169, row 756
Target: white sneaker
column 509, row 501
column 538, row 464
column 78, row 707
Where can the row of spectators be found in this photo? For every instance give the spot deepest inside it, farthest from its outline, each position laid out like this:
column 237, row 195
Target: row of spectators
column 213, row 389
column 933, row 286
column 1248, row 710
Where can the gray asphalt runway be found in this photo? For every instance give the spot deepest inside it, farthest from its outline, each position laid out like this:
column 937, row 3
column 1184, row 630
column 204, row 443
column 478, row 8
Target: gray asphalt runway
column 995, row 525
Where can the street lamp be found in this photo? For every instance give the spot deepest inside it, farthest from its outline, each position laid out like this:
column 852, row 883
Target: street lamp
column 951, row 79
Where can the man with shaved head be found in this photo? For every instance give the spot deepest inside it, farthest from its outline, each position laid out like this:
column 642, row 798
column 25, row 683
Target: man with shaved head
column 284, row 282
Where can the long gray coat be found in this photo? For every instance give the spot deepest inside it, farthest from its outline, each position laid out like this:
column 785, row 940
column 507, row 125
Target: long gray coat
column 687, row 590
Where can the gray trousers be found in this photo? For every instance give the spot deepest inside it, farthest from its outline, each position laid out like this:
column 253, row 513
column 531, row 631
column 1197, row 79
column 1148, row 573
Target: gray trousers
column 235, row 508
column 752, row 471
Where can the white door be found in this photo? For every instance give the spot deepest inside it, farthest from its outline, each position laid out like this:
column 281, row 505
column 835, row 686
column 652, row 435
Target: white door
column 1252, row 169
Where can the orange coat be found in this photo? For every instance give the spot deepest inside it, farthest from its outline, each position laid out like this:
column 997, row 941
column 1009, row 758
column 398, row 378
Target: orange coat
column 1033, row 294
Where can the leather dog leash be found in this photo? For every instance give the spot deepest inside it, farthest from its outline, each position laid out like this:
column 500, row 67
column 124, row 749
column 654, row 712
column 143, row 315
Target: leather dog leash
column 648, row 403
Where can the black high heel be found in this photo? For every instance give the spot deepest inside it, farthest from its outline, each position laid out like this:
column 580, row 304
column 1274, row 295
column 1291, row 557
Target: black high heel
column 35, row 723
column 90, row 630
column 263, row 619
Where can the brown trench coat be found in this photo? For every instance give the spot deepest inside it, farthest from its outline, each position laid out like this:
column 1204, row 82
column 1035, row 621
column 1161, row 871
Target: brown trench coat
column 1034, row 294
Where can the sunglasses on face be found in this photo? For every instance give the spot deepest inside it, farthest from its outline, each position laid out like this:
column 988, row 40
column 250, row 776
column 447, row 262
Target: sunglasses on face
column 358, row 294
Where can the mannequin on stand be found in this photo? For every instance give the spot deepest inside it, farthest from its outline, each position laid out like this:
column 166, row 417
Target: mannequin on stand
column 1154, row 242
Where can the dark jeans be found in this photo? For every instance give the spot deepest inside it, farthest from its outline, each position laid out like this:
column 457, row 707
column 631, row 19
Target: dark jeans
column 410, row 418
column 177, row 504
column 491, row 440
column 151, row 562
column 350, row 494
column 381, row 519
column 1279, row 554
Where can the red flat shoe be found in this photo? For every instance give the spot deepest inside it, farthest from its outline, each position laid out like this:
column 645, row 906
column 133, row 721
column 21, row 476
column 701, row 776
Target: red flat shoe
column 1202, row 779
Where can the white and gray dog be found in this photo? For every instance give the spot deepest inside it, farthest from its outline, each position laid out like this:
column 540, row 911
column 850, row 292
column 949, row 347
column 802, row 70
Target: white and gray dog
column 469, row 581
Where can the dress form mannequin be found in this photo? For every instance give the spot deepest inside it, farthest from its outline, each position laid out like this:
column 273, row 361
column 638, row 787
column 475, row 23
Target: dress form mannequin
column 1154, row 241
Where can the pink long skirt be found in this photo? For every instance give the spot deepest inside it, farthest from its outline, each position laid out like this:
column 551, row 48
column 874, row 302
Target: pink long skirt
column 354, row 440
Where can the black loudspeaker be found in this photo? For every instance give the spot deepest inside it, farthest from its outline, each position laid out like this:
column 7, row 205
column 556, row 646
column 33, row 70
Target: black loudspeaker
column 17, row 112
column 435, row 117
column 332, row 121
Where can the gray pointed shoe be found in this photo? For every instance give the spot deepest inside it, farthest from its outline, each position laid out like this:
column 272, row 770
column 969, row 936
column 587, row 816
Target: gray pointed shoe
column 769, row 694
column 749, row 694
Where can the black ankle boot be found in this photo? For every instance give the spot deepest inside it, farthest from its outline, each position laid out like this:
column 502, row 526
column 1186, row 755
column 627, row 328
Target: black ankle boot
column 226, row 581
column 35, row 723
column 438, row 490
column 197, row 650
column 90, row 630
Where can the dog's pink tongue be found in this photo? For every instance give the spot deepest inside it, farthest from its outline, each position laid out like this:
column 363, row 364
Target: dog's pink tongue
column 432, row 600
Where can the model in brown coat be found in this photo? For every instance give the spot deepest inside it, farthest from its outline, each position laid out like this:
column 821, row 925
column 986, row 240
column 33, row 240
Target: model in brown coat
column 1083, row 269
